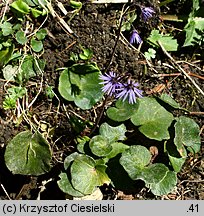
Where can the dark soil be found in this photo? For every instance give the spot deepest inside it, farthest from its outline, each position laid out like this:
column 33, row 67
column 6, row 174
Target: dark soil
column 96, row 27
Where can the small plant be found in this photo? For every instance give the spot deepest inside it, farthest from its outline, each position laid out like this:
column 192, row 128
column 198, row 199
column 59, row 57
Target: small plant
column 89, row 168
column 195, row 25
column 13, row 94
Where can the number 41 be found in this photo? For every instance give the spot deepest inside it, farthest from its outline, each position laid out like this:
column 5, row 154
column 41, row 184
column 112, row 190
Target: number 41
column 193, row 208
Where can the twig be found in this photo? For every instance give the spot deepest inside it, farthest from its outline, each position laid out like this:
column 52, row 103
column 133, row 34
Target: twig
column 107, row 66
column 117, row 39
column 178, row 74
column 196, row 113
column 61, row 21
column 5, row 192
column 180, row 68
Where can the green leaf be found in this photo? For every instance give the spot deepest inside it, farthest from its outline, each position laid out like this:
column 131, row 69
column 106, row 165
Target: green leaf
column 113, row 133
column 122, row 112
column 66, row 186
column 194, row 29
column 153, row 120
column 36, row 13
column 75, row 4
column 83, row 69
column 154, row 173
column 84, row 175
column 20, row 6
column 100, row 146
column 27, row 70
column 9, row 103
column 20, row 37
column 167, row 99
column 41, row 34
column 86, row 55
column 102, row 176
column 186, row 133
column 70, row 158
column 9, row 72
column 134, row 160
column 81, row 143
column 127, row 23
column 5, row 55
column 176, row 163
column 6, row 28
column 17, row 91
column 36, row 46
column 117, row 148
column 166, row 185
column 150, row 54
column 83, row 89
column 28, row 154
column 167, row 41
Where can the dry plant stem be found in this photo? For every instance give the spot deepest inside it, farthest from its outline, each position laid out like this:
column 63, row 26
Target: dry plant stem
column 106, row 69
column 61, row 21
column 99, row 117
column 178, row 74
column 177, row 66
column 117, row 39
column 5, row 191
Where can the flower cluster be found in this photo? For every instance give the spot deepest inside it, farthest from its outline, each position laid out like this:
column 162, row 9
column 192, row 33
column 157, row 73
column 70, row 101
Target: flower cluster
column 122, row 87
column 146, row 13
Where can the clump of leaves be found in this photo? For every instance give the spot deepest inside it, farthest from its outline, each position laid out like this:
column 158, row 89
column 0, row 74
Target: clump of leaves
column 88, row 168
column 13, row 94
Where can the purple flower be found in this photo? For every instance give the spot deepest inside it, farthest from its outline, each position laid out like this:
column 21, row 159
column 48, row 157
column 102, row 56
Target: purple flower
column 135, row 38
column 147, row 12
column 110, row 82
column 130, row 91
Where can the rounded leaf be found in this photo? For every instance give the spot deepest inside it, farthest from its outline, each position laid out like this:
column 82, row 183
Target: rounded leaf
column 187, row 133
column 84, row 176
column 154, row 173
column 20, row 37
column 153, row 120
column 36, row 46
column 134, row 160
column 65, row 185
column 122, row 112
column 113, row 133
column 100, row 146
column 82, row 87
column 166, row 185
column 28, row 154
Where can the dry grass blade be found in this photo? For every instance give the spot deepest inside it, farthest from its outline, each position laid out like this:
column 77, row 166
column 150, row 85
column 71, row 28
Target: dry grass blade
column 177, row 66
column 61, row 21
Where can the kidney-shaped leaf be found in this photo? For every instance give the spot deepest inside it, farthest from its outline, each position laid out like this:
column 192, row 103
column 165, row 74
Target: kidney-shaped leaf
column 167, row 99
column 187, row 133
column 154, row 173
column 166, row 185
column 28, row 154
column 65, row 185
column 117, row 148
column 113, row 133
column 134, row 160
column 153, row 120
column 123, row 111
column 84, row 174
column 100, row 146
column 83, row 89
